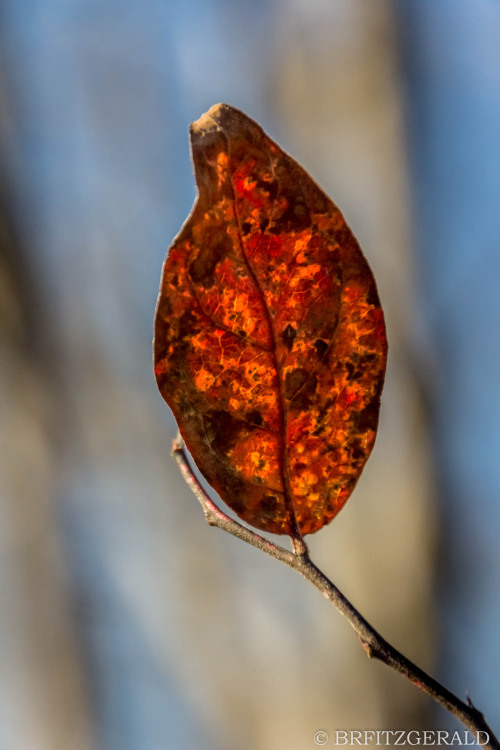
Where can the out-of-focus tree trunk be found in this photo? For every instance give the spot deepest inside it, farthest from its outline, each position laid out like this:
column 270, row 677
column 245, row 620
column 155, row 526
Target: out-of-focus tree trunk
column 451, row 64
column 43, row 701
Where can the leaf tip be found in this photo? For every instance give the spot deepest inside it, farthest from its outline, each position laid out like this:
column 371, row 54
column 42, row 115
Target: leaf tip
column 208, row 122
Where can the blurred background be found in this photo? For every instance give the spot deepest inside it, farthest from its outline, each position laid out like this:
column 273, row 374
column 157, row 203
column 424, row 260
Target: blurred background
column 125, row 622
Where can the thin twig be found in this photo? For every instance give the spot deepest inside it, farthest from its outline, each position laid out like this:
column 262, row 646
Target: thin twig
column 375, row 646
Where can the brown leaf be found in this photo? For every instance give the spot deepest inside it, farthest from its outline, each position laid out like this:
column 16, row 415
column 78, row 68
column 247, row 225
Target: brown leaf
column 270, row 343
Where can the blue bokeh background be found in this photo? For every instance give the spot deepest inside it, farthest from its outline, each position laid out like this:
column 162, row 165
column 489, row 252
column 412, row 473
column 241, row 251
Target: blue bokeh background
column 126, row 624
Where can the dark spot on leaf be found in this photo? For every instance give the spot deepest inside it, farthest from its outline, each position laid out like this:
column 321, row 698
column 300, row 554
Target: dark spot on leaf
column 319, row 429
column 296, row 215
column 288, row 336
column 321, row 203
column 303, row 398
column 255, row 417
column 334, row 451
column 186, row 324
column 162, row 338
column 372, row 297
column 321, row 347
column 357, row 449
column 294, row 380
column 367, row 418
column 237, row 488
column 322, row 413
column 272, row 190
column 165, row 308
column 269, row 505
column 246, row 227
column 343, row 237
column 270, row 187
column 202, row 269
column 223, row 430
column 364, row 359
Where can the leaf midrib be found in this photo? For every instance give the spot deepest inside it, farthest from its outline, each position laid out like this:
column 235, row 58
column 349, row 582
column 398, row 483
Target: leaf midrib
column 285, row 475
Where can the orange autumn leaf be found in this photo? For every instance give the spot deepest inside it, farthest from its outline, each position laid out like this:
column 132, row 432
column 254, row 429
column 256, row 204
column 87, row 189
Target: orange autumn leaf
column 270, row 343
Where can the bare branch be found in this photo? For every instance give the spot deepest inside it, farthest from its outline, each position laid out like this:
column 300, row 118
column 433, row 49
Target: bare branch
column 375, row 646
column 215, row 517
